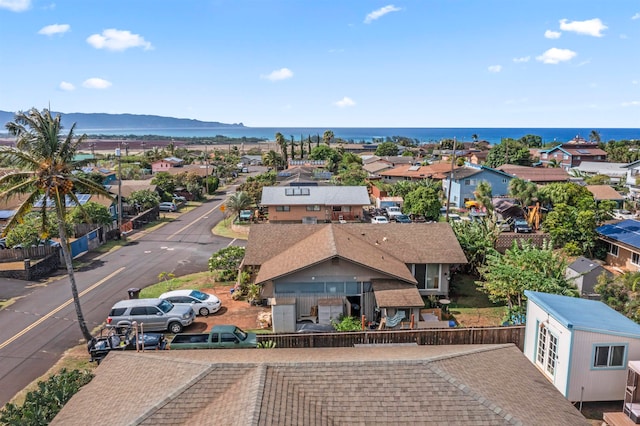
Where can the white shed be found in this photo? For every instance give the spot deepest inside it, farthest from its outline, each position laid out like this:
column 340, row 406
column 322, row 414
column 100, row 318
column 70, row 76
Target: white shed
column 582, row 346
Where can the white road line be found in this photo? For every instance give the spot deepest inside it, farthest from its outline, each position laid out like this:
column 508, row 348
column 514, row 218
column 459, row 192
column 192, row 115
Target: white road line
column 204, row 216
column 59, row 308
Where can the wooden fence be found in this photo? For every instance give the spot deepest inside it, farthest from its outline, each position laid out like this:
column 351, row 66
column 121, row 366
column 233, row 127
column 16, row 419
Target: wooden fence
column 18, row 255
column 451, row 336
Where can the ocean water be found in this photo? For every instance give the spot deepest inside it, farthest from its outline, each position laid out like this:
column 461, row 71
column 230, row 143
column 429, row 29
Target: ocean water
column 371, row 134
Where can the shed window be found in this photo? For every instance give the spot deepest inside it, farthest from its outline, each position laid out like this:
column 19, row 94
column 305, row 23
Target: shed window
column 607, row 356
column 547, row 351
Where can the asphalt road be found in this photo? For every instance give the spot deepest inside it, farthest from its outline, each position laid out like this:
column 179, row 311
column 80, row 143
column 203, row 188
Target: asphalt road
column 42, row 323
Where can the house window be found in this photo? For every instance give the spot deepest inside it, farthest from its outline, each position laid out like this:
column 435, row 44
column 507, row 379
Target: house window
column 613, row 250
column 544, row 155
column 609, row 356
column 467, row 182
column 504, row 180
column 635, row 258
column 547, row 352
column 428, row 276
column 315, row 208
column 565, row 157
column 282, row 208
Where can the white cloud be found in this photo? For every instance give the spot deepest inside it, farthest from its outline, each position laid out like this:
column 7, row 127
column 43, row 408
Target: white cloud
column 345, row 102
column 552, row 34
column 66, row 86
column 495, row 68
column 15, row 5
column 522, row 59
column 118, row 40
column 377, row 14
column 54, row 29
column 636, row 16
column 96, row 83
column 592, row 27
column 632, row 103
column 277, row 75
column 583, row 63
column 555, row 56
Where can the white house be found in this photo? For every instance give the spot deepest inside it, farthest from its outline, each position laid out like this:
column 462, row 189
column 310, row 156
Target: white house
column 582, row 346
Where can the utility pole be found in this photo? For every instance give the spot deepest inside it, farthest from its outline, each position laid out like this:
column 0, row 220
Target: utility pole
column 206, row 162
column 453, row 162
column 118, row 155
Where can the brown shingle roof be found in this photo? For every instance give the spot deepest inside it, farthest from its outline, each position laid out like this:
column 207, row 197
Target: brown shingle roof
column 604, row 192
column 390, row 293
column 536, row 174
column 326, row 243
column 408, row 242
column 432, row 171
column 464, row 384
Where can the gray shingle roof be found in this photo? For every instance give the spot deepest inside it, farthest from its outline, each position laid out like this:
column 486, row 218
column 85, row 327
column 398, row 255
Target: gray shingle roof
column 320, row 195
column 435, row 385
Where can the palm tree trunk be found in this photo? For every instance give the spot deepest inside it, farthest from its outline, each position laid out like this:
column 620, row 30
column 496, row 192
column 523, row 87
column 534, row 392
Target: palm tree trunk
column 66, row 254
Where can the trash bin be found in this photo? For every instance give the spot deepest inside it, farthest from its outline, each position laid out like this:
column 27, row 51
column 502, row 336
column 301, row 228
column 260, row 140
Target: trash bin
column 134, row 293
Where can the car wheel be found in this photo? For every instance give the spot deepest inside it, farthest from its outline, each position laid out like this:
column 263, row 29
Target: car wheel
column 203, row 312
column 175, row 327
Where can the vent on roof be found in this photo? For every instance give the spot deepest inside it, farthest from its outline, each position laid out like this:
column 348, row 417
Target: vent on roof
column 414, row 168
column 295, row 190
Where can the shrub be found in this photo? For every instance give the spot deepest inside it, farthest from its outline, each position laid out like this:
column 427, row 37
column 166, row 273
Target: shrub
column 42, row 405
column 345, row 323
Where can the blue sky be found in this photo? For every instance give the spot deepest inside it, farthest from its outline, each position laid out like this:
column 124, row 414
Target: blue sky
column 328, row 63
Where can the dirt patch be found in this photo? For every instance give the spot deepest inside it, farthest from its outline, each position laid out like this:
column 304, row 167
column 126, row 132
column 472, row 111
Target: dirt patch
column 236, row 312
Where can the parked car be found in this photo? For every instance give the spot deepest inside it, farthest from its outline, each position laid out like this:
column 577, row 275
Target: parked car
column 220, row 337
column 100, row 346
column 504, row 225
column 393, row 211
column 202, row 303
column 3, row 243
column 168, row 207
column 379, row 219
column 40, row 243
column 153, row 314
column 403, row 218
column 309, row 327
column 521, row 226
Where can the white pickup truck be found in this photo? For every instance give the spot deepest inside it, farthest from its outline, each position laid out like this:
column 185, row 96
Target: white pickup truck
column 393, row 211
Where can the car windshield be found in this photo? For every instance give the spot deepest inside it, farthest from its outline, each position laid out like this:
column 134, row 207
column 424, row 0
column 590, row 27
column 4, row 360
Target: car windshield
column 241, row 334
column 165, row 306
column 521, row 222
column 199, row 295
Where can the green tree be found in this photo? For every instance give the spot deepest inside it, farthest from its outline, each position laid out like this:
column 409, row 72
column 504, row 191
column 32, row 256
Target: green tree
column 351, row 175
column 524, row 267
column 477, row 238
column 145, row 198
column 532, row 141
column 483, row 194
column 597, row 180
column 566, row 193
column 273, row 159
column 523, row 191
column 423, row 201
column 508, row 151
column 226, row 262
column 282, row 143
column 594, row 136
column 166, row 184
column 45, row 164
column 621, row 292
column 387, row 149
column 239, row 201
column 327, row 137
column 91, row 212
column 324, row 152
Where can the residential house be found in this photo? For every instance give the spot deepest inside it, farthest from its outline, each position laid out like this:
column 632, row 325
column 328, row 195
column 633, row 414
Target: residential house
column 623, row 241
column 303, row 175
column 313, row 204
column 617, row 172
column 383, row 270
column 632, row 181
column 464, row 181
column 436, row 171
column 414, row 385
column 251, row 160
column 606, row 192
column 108, row 176
column 165, row 164
column 374, row 168
column 315, row 164
column 582, row 346
column 584, row 274
column 537, row 175
column 571, row 154
column 201, row 170
column 477, row 157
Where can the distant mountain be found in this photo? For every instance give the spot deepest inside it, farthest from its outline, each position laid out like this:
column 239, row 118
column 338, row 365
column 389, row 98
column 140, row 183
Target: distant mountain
column 99, row 121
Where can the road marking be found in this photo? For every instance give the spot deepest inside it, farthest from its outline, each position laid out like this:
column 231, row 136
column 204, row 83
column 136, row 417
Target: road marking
column 204, row 216
column 232, row 241
column 59, row 308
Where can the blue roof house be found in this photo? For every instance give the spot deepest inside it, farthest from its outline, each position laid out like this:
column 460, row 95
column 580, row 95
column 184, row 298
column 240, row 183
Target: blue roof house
column 623, row 242
column 582, row 346
column 465, row 180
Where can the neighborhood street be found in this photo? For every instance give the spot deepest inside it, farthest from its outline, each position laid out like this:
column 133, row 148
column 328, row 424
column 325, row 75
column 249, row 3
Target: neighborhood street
column 42, row 323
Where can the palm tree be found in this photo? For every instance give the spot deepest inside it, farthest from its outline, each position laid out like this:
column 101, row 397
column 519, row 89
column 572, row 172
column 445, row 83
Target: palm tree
column 327, row 137
column 282, row 143
column 239, row 201
column 45, row 165
column 273, row 159
column 594, row 136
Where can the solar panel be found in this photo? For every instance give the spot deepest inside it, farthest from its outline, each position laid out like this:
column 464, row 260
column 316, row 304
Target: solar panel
column 584, row 151
column 82, row 199
column 627, row 231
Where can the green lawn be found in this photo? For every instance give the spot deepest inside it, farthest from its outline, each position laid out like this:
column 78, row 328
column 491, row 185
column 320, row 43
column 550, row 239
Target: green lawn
column 470, row 306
